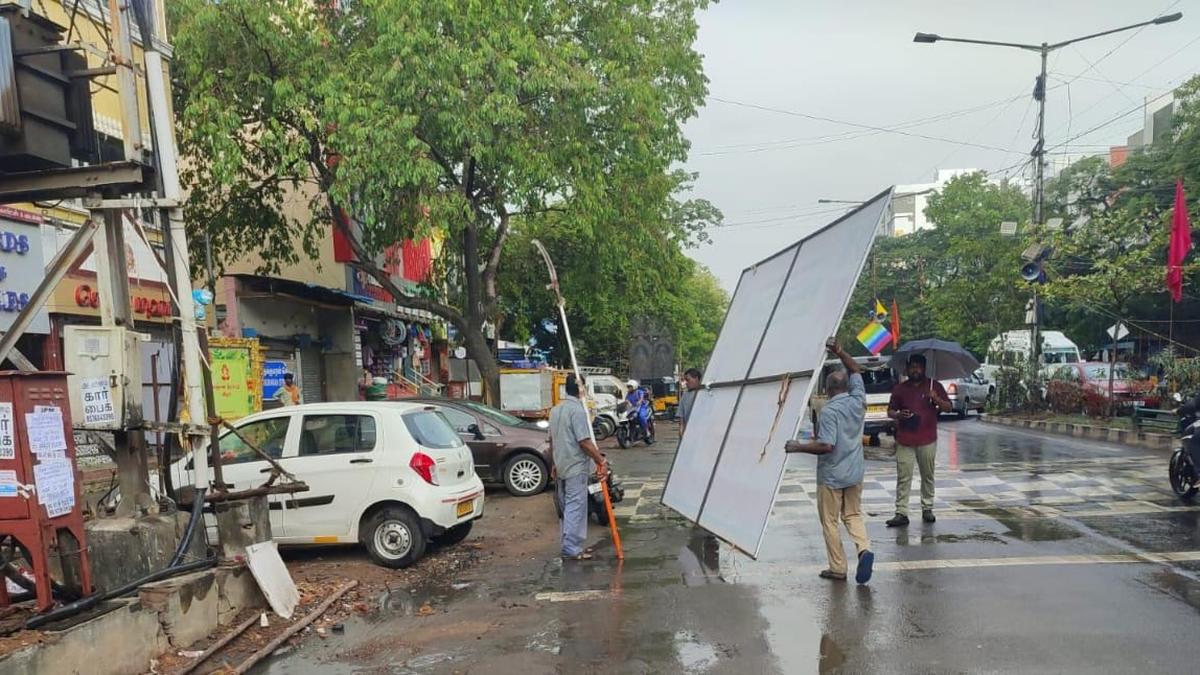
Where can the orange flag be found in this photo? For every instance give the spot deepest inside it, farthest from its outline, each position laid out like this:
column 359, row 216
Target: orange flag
column 895, row 325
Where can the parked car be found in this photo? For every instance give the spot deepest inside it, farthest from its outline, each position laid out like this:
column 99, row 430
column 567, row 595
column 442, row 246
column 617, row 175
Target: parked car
column 506, row 449
column 879, row 379
column 392, row 476
column 968, row 393
column 1130, row 388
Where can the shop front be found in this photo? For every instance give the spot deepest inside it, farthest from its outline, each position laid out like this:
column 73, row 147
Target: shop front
column 302, row 329
column 405, row 347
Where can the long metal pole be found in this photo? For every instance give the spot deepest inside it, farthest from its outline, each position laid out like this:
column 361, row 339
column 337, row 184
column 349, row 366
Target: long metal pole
column 1039, row 150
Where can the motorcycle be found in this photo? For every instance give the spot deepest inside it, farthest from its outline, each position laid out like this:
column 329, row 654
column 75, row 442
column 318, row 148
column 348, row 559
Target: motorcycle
column 605, row 424
column 616, row 493
column 1184, row 474
column 629, row 427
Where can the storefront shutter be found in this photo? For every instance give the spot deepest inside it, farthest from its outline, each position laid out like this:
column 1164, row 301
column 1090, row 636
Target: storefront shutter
column 311, row 384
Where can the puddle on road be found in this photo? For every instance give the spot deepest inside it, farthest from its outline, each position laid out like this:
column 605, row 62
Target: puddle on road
column 1027, row 528
column 694, row 655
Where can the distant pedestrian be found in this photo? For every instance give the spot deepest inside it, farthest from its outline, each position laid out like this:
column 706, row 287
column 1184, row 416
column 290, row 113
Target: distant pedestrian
column 289, row 393
column 572, row 454
column 687, row 400
column 915, row 406
column 839, row 450
column 364, row 384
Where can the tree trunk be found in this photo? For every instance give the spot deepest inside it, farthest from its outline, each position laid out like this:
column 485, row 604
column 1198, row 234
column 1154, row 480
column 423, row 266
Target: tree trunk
column 489, row 371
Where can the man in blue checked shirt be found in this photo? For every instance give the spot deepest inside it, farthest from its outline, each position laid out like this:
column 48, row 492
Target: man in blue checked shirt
column 839, row 450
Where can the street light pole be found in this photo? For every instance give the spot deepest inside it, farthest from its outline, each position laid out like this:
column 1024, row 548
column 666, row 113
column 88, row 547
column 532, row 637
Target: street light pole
column 1039, row 148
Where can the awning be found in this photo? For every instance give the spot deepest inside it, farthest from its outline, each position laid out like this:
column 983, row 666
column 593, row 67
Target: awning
column 251, row 285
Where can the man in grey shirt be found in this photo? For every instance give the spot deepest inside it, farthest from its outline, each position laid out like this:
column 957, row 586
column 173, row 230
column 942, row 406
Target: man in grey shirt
column 687, row 400
column 573, row 451
column 839, row 451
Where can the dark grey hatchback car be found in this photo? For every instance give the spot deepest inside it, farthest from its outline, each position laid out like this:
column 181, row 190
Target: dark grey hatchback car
column 507, row 449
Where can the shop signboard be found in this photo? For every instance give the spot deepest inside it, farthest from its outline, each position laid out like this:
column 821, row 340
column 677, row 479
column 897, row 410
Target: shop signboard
column 233, row 385
column 273, row 372
column 22, row 267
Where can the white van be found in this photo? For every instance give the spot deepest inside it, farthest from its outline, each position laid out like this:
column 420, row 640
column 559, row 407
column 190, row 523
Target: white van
column 1015, row 347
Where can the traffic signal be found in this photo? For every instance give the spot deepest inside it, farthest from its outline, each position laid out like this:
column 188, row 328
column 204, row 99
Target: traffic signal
column 1035, row 256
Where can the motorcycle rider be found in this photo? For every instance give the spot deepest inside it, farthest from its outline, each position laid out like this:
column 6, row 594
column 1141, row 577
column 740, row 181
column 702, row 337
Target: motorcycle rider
column 636, row 398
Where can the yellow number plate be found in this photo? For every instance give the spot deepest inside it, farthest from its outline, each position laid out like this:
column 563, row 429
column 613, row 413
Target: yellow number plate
column 466, row 508
column 877, row 408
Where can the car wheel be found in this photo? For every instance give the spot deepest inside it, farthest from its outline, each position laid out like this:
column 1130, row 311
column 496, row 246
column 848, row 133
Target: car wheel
column 393, row 537
column 525, row 475
column 454, row 535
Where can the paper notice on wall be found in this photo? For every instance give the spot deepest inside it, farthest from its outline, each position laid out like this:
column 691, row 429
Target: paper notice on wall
column 45, row 431
column 8, row 443
column 8, row 484
column 55, row 480
column 97, row 401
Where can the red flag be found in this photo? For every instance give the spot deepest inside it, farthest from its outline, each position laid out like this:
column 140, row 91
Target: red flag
column 1181, row 243
column 895, row 325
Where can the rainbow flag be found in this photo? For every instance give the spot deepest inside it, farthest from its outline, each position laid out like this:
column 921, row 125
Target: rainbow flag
column 874, row 337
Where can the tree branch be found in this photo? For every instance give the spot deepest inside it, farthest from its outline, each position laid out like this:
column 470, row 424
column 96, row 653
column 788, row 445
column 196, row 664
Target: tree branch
column 365, row 262
column 493, row 263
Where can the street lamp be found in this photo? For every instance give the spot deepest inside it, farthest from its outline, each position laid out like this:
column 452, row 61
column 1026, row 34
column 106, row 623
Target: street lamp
column 1039, row 91
column 1039, row 149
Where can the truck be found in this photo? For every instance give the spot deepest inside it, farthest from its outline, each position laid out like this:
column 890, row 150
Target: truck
column 530, row 393
column 1014, row 348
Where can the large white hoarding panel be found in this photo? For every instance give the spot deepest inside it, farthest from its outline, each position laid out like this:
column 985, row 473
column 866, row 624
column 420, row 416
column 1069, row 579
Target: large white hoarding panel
column 721, row 477
column 818, row 290
column 697, row 453
column 746, row 478
column 748, row 314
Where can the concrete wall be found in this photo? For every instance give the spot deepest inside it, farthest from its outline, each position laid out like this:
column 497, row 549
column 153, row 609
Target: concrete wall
column 169, row 615
column 123, row 549
column 341, row 372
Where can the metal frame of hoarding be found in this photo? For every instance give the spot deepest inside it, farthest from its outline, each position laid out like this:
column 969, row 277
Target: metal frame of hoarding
column 746, row 381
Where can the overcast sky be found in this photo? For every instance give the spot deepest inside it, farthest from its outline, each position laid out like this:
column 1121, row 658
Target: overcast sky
column 856, row 62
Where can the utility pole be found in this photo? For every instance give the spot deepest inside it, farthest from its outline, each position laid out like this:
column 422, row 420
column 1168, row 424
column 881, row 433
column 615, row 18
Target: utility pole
column 1039, row 148
column 180, row 264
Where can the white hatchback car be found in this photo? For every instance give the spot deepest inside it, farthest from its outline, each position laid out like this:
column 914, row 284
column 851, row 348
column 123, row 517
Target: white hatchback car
column 392, row 476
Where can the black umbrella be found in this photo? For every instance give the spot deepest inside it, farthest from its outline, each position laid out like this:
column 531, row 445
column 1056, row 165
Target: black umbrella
column 944, row 360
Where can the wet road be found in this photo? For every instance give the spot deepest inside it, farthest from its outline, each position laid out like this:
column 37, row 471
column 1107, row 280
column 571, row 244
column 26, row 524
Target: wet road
column 1049, row 555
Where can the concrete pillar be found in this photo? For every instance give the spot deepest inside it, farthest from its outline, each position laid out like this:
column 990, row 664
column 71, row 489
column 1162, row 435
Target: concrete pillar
column 242, row 523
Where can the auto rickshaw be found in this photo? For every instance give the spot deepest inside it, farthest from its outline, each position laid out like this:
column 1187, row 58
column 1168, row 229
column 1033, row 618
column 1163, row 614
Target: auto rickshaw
column 665, row 396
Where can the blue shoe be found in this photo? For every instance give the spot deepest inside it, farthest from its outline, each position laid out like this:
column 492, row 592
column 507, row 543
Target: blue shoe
column 866, row 561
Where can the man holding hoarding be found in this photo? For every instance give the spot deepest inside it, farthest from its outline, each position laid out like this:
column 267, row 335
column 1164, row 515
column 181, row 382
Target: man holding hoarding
column 839, row 450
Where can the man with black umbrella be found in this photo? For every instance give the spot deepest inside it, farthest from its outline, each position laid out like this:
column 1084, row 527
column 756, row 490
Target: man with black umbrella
column 915, row 406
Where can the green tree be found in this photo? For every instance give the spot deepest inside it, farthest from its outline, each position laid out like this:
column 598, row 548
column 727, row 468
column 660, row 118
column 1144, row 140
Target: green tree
column 1108, row 262
column 607, row 284
column 958, row 281
column 470, row 118
column 977, row 290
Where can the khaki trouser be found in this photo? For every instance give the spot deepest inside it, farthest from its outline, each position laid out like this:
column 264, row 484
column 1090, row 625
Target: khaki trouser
column 923, row 456
column 843, row 504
